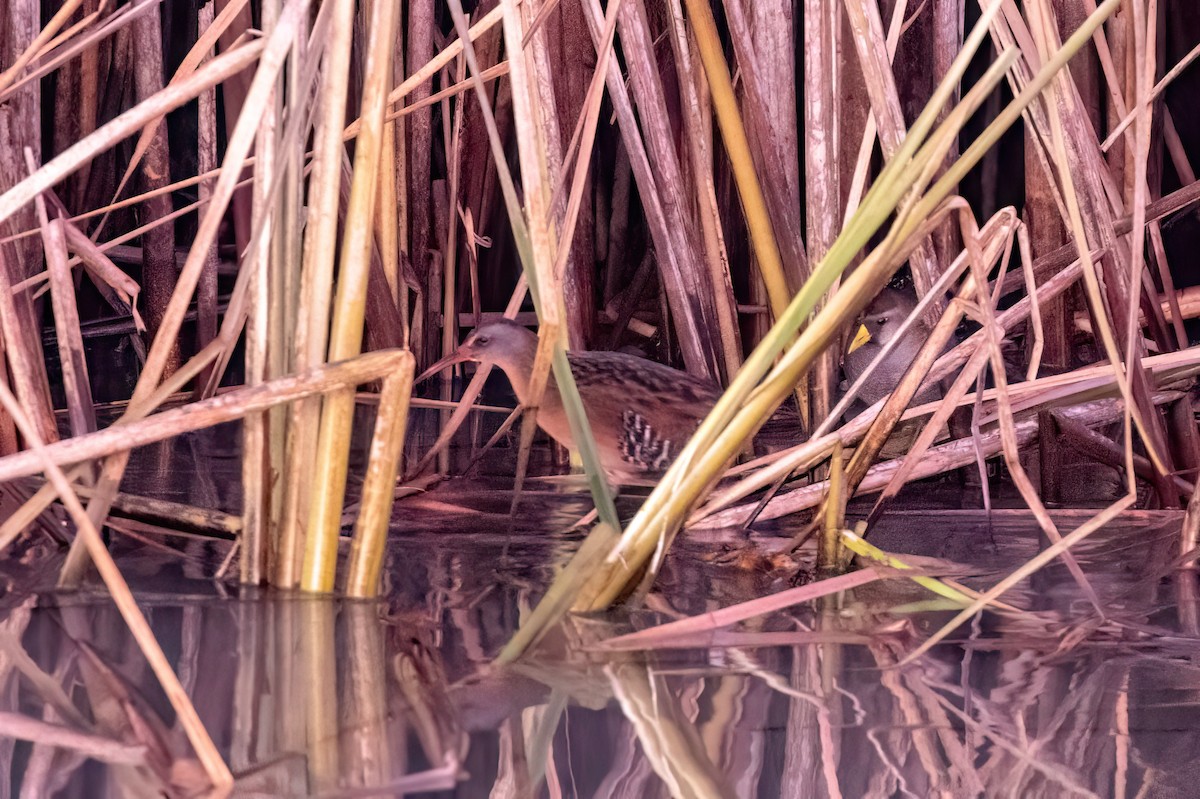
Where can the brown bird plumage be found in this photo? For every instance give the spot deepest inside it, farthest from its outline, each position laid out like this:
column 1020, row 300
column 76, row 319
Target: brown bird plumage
column 642, row 413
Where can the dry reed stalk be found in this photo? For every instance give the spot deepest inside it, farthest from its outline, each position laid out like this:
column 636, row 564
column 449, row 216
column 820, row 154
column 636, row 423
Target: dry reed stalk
column 1062, row 389
column 33, row 507
column 20, row 128
column 945, row 457
column 316, row 288
column 28, row 19
column 1076, row 158
column 671, row 259
column 478, row 173
column 1010, row 448
column 572, row 251
column 68, row 124
column 575, row 85
column 256, row 539
column 345, row 340
column 544, row 106
column 206, row 161
column 452, row 135
column 659, row 178
column 76, row 384
column 829, row 545
column 212, row 522
column 399, row 196
column 301, row 88
column 210, row 758
column 870, row 42
column 235, row 95
column 70, row 160
column 17, row 726
column 862, row 163
column 759, row 216
column 272, row 54
column 822, row 170
column 774, row 144
column 92, row 11
column 695, row 97
column 386, row 209
column 227, row 407
column 23, row 348
column 45, row 63
column 948, row 21
column 379, row 485
column 690, row 626
column 421, row 26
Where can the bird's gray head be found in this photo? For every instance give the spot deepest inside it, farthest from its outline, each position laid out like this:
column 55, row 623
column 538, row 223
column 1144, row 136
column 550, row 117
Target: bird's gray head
column 499, row 342
column 886, row 313
column 503, row 343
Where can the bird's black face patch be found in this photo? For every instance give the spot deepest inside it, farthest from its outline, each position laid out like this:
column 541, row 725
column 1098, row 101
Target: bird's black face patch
column 641, row 445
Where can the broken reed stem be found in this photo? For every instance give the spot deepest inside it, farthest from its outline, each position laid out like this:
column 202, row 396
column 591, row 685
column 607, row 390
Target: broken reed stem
column 379, row 485
column 124, row 436
column 76, row 385
column 828, row 553
column 333, row 442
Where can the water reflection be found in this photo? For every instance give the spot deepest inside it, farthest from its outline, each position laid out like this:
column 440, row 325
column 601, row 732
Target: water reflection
column 318, row 697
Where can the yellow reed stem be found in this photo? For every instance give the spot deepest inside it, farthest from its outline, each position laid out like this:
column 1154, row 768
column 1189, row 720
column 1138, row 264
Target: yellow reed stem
column 370, row 534
column 316, row 281
column 733, row 132
column 333, row 442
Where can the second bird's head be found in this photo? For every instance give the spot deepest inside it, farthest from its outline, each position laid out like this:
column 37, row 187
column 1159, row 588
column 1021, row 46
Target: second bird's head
column 884, row 315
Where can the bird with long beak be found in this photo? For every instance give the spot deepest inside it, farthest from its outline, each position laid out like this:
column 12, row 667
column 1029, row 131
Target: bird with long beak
column 641, row 413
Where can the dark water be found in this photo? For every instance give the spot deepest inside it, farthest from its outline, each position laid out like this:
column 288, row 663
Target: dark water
column 326, row 697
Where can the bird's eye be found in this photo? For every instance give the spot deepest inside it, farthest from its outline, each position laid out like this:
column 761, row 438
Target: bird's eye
column 482, row 340
column 882, row 320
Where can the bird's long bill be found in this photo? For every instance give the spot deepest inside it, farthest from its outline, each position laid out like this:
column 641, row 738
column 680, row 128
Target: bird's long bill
column 458, row 356
column 860, row 338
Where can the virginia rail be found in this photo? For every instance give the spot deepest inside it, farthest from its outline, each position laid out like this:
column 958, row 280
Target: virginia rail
column 641, row 413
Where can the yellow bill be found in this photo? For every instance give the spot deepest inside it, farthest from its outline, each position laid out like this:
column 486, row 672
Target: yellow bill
column 860, row 338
